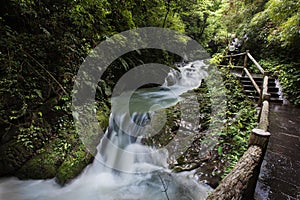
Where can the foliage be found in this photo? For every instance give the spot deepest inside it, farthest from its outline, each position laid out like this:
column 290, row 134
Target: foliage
column 289, row 76
column 284, row 17
column 198, row 19
column 241, row 118
column 272, row 30
column 236, row 121
column 73, row 164
column 43, row 43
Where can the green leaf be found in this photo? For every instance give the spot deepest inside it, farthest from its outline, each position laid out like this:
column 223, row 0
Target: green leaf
column 39, row 93
column 220, row 150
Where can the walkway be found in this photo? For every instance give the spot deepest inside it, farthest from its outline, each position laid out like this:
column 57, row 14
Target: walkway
column 280, row 172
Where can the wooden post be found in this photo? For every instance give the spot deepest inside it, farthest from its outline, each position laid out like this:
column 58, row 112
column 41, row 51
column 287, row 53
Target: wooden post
column 259, row 137
column 245, row 63
column 264, row 116
column 265, row 94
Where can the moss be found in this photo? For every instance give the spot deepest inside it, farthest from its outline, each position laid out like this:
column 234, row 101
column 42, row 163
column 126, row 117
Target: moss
column 73, row 165
column 103, row 115
column 168, row 131
column 39, row 167
column 63, row 157
column 45, row 164
column 12, row 156
column 58, row 159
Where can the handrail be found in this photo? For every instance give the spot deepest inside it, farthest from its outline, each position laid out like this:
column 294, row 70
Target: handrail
column 259, row 67
column 241, row 181
column 246, row 71
column 234, row 55
column 265, row 95
column 256, row 63
column 253, row 81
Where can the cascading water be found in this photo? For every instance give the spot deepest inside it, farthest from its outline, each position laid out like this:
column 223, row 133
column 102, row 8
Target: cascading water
column 123, row 168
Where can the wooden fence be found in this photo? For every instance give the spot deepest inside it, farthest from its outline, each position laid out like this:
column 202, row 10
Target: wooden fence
column 241, row 181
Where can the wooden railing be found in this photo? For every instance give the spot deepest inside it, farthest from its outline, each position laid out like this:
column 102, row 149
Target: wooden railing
column 262, row 92
column 241, row 181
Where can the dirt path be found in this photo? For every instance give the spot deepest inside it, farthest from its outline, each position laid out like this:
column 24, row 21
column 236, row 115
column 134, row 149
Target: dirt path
column 280, row 172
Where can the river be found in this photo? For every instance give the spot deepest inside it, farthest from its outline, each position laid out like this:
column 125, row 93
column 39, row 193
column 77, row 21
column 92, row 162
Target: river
column 124, row 168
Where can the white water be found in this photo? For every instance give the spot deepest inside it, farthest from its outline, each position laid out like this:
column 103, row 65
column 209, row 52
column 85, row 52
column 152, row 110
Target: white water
column 124, row 169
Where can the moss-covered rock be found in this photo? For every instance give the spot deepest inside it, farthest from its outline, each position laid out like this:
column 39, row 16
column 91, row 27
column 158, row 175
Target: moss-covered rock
column 73, row 165
column 12, row 156
column 37, row 152
column 58, row 159
column 103, row 115
column 39, row 167
column 46, row 162
column 20, row 146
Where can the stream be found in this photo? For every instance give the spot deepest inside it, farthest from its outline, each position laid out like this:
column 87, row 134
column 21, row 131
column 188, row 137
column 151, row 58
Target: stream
column 124, row 168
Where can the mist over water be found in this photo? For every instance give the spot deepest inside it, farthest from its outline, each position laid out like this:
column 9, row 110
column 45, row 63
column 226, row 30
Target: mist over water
column 123, row 168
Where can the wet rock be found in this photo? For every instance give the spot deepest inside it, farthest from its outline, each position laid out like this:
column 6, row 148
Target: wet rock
column 12, row 156
column 44, row 164
column 73, row 166
column 43, row 153
column 39, row 167
column 58, row 160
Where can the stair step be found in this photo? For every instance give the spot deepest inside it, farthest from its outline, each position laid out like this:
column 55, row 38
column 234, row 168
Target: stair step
column 248, row 87
column 274, row 95
column 251, row 92
column 259, row 83
column 270, row 89
column 273, row 89
column 271, row 79
column 276, row 100
column 254, row 93
column 256, row 98
column 272, row 99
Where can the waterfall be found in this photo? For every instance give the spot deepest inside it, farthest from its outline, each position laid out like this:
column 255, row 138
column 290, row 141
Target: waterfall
column 123, row 168
column 189, row 75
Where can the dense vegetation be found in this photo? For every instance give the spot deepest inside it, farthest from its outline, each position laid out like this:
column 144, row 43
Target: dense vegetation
column 43, row 44
column 272, row 29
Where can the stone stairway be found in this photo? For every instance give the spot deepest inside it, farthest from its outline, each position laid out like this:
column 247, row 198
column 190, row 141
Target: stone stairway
column 251, row 92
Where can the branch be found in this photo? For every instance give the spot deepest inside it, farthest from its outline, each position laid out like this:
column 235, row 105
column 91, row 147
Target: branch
column 165, row 186
column 166, row 16
column 61, row 87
